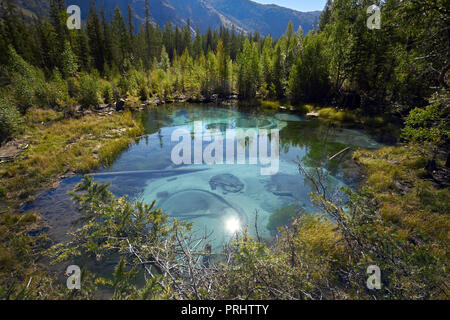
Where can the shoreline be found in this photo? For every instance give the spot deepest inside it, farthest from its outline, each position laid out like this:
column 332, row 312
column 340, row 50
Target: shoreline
column 134, row 108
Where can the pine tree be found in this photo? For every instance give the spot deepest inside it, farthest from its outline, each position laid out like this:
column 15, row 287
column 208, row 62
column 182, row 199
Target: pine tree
column 131, row 44
column 147, row 55
column 267, row 66
column 69, row 61
column 249, row 71
column 208, row 44
column 96, row 38
column 58, row 18
column 130, row 21
column 198, row 43
column 278, row 72
column 325, row 16
column 81, row 49
column 223, row 75
column 168, row 38
column 308, row 80
column 187, row 37
column 121, row 40
column 107, row 37
column 49, row 53
column 164, row 61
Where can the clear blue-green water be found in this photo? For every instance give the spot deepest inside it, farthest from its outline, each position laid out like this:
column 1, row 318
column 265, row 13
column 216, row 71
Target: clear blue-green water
column 218, row 198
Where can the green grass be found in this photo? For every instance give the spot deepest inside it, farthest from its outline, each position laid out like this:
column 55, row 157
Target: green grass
column 413, row 205
column 70, row 145
column 37, row 115
column 270, row 104
column 337, row 115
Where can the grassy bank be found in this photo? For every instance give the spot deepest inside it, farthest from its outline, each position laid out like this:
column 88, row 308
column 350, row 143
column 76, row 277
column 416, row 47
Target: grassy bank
column 57, row 147
column 414, row 206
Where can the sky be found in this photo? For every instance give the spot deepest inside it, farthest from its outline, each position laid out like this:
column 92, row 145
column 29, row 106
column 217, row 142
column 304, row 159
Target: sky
column 300, row 5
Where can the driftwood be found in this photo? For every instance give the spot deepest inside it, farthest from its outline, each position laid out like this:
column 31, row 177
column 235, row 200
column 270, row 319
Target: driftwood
column 339, row 153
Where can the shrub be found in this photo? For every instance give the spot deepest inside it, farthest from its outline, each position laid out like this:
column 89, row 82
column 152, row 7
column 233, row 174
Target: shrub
column 107, row 93
column 23, row 91
column 143, row 92
column 123, row 86
column 73, row 87
column 11, row 121
column 128, row 83
column 23, row 78
column 431, row 123
column 88, row 95
column 58, row 94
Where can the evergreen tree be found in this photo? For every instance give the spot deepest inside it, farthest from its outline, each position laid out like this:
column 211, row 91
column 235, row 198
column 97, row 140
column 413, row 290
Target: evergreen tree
column 96, row 38
column 222, row 70
column 249, row 71
column 187, row 37
column 164, row 61
column 107, row 37
column 308, row 80
column 81, row 49
column 121, row 45
column 69, row 61
column 325, row 16
column 267, row 67
column 278, row 72
column 131, row 44
column 198, row 43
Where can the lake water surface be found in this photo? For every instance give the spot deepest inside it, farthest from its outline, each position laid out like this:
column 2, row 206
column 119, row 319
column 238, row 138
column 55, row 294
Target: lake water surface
column 218, row 198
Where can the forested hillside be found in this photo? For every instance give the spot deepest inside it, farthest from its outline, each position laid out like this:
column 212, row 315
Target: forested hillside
column 343, row 62
column 244, row 15
column 343, row 70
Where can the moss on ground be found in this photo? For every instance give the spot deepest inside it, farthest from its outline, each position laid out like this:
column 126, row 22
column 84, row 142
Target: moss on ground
column 416, row 207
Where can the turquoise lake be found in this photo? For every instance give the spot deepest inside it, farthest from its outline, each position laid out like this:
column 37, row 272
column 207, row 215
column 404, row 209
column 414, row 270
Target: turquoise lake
column 219, row 198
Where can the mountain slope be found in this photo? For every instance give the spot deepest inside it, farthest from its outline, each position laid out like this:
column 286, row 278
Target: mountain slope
column 267, row 19
column 245, row 15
